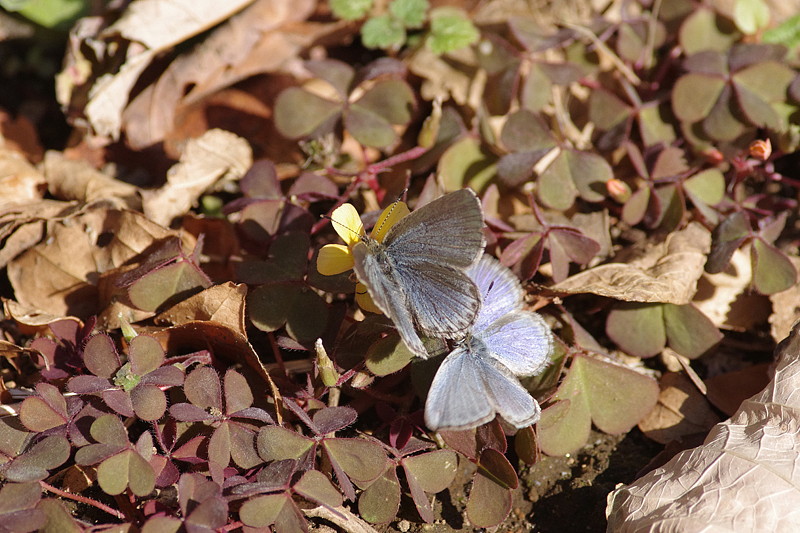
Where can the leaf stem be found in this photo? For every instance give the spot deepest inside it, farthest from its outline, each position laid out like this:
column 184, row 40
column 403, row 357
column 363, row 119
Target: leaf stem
column 82, row 499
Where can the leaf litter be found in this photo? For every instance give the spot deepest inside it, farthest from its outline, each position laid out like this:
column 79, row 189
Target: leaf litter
column 164, row 317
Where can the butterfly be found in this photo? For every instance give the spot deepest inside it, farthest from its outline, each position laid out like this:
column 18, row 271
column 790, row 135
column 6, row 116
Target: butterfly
column 478, row 379
column 416, row 274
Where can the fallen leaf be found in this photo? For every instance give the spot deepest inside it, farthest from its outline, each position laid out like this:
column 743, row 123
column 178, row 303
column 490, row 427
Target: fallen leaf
column 20, row 182
column 667, row 273
column 215, row 156
column 23, row 225
column 19, row 134
column 743, row 478
column 785, row 308
column 262, row 38
column 155, row 26
column 223, row 304
column 728, row 391
column 681, row 410
column 60, row 274
column 77, row 180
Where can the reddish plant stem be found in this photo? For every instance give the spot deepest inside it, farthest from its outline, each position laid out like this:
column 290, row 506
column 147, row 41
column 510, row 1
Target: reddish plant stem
column 82, row 499
column 276, row 351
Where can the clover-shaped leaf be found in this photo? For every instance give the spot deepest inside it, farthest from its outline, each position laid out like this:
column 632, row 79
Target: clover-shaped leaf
column 615, row 398
column 490, row 497
column 121, row 463
column 18, row 512
column 34, row 464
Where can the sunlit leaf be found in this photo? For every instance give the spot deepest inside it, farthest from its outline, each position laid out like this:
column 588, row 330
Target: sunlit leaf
column 380, row 501
column 388, row 355
column 275, row 443
column 638, row 329
column 615, row 398
column 450, row 30
column 315, row 486
column 358, row 458
column 489, row 503
column 170, row 283
column 772, row 270
column 689, row 331
column 383, row 31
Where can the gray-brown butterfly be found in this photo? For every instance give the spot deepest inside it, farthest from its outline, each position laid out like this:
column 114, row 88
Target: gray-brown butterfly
column 416, row 274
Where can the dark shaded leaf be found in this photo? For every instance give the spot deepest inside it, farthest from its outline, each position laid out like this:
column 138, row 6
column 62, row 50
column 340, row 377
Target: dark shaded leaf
column 638, row 329
column 298, row 113
column 689, row 331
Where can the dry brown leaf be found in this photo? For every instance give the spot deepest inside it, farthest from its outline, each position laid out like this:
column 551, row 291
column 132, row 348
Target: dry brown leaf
column 19, row 134
column 20, row 182
column 744, row 477
column 152, row 26
column 785, row 308
column 728, row 391
column 444, row 78
column 262, row 38
column 681, row 410
column 23, row 225
column 60, row 274
column 215, row 156
column 667, row 273
column 77, row 180
column 223, row 304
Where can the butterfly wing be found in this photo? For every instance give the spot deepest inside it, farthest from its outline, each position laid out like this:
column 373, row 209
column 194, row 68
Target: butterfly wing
column 520, row 341
column 383, row 287
column 442, row 299
column 457, row 397
column 447, row 231
column 499, row 288
column 507, row 397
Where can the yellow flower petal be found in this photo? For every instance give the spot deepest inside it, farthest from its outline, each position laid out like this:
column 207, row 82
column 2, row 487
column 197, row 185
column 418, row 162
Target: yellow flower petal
column 334, row 259
column 347, row 224
column 364, row 300
column 390, row 216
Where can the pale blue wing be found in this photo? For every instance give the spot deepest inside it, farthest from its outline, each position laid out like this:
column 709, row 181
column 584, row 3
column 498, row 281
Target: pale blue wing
column 457, row 397
column 520, row 341
column 443, row 300
column 387, row 295
column 470, row 388
column 508, row 398
column 500, row 290
column 447, row 231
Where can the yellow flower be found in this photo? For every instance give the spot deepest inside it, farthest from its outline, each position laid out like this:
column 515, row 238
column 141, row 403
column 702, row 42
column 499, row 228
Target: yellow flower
column 337, row 258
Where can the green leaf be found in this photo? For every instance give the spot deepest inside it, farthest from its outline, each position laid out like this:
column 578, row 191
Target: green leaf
column 705, row 30
column 773, row 272
column 49, row 13
column 728, row 236
column 145, row 354
column 388, row 355
column 707, row 186
column 298, row 112
column 294, row 305
column 100, row 356
column 750, row 15
column 637, row 328
column 489, row 503
column 606, row 110
column 787, row 33
column 108, row 429
column 350, row 9
column 383, row 31
column 450, row 30
column 168, row 284
column 525, row 131
column 614, row 397
column 263, row 511
column 434, row 471
column 275, row 443
column 287, row 258
column 410, row 12
column 694, row 96
column 689, row 331
column 315, row 486
column 380, row 501
column 391, row 99
column 467, row 163
column 126, row 469
column 149, row 402
column 369, row 128
column 656, row 125
column 360, row 459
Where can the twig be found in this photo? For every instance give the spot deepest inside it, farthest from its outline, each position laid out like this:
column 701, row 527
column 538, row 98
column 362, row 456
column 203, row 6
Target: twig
column 342, row 518
column 82, row 499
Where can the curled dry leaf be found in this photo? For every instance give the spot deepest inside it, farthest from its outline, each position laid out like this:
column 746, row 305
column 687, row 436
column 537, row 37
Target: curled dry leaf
column 60, row 274
column 262, row 38
column 743, row 478
column 23, row 225
column 78, row 180
column 20, row 182
column 223, row 304
column 215, row 156
column 785, row 308
column 155, row 26
column 667, row 273
column 681, row 410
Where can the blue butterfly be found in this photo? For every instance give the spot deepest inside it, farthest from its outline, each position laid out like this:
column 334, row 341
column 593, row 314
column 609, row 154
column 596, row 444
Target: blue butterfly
column 478, row 379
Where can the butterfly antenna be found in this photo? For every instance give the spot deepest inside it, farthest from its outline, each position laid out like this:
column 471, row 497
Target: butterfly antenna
column 391, row 209
column 351, row 230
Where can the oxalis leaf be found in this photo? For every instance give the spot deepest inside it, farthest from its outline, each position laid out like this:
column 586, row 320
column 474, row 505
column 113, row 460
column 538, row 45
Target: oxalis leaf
column 644, row 330
column 615, row 398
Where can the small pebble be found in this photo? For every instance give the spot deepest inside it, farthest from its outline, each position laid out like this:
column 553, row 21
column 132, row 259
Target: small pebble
column 404, row 525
